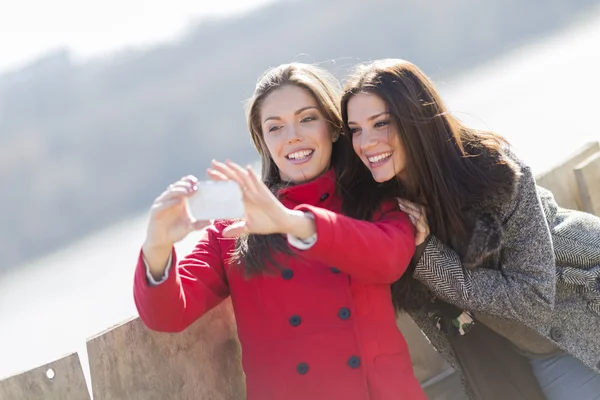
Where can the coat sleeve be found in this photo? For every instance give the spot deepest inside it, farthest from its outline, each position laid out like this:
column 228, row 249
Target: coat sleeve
column 374, row 252
column 194, row 287
column 523, row 284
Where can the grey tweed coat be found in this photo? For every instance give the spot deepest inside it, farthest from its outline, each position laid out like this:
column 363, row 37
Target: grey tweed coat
column 527, row 261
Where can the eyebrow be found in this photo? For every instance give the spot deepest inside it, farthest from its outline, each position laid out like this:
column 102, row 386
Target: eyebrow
column 371, row 118
column 298, row 111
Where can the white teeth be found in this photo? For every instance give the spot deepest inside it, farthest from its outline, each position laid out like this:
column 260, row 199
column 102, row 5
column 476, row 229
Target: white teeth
column 380, row 157
column 299, row 155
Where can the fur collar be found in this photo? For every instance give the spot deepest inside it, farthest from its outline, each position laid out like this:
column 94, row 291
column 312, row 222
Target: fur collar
column 485, row 217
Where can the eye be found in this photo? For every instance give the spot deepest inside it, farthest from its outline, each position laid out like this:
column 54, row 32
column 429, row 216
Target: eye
column 274, row 128
column 381, row 124
column 355, row 131
column 308, row 119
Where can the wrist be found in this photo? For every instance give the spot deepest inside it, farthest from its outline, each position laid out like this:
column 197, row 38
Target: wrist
column 299, row 225
column 149, row 247
column 156, row 257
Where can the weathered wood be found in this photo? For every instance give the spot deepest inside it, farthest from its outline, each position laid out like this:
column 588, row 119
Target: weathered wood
column 561, row 180
column 203, row 362
column 587, row 174
column 59, row 380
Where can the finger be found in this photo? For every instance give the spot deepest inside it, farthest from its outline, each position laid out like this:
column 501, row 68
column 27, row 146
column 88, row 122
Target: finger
column 243, row 176
column 174, row 193
column 402, row 206
column 227, row 171
column 235, row 229
column 216, row 175
column 411, row 214
column 406, row 206
column 423, row 227
column 410, row 206
column 182, row 184
column 189, row 178
column 163, row 205
column 259, row 186
column 253, row 177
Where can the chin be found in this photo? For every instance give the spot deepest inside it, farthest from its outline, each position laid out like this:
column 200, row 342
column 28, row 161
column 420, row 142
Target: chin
column 382, row 177
column 304, row 176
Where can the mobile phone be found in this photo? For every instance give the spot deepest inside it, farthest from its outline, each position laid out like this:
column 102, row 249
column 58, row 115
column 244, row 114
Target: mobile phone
column 216, row 200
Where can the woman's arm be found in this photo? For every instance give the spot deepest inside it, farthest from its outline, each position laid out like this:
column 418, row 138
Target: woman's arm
column 525, row 282
column 375, row 252
column 190, row 288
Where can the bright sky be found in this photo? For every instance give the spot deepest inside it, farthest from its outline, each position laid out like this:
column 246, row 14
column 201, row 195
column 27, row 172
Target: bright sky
column 30, row 28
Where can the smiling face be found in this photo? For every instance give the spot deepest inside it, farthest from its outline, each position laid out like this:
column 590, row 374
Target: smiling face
column 296, row 133
column 375, row 137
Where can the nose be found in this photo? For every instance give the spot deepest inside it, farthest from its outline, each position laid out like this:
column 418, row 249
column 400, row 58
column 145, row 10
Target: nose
column 368, row 141
column 292, row 134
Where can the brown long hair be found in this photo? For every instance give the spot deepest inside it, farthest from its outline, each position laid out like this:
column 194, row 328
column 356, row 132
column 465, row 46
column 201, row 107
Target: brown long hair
column 440, row 165
column 256, row 252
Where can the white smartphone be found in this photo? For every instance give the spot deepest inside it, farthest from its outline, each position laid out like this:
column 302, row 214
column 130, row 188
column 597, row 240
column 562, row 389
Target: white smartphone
column 216, row 200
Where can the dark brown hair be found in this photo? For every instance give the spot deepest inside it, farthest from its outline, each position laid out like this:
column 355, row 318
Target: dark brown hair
column 256, row 252
column 440, row 169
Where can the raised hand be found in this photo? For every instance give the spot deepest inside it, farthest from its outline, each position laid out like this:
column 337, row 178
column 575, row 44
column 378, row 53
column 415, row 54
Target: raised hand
column 418, row 216
column 169, row 222
column 263, row 213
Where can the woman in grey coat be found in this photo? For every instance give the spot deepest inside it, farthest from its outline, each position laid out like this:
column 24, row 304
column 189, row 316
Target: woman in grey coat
column 496, row 255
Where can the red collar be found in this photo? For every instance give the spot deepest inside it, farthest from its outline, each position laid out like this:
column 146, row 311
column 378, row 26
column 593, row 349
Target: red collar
column 312, row 192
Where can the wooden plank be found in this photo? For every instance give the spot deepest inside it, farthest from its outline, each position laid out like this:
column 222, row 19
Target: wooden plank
column 203, row 362
column 561, row 180
column 587, row 174
column 59, row 380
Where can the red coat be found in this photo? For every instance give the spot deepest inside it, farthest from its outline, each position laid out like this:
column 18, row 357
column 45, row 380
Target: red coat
column 324, row 328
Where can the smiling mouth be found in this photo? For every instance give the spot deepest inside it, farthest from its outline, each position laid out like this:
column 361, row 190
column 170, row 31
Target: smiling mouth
column 379, row 159
column 300, row 156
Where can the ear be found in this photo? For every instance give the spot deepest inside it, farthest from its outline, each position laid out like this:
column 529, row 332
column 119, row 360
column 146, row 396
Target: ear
column 336, row 136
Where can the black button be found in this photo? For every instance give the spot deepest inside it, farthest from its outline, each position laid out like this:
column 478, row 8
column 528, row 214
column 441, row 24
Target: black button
column 335, row 270
column 354, row 362
column 287, row 274
column 324, row 197
column 295, row 320
column 556, row 334
column 302, row 368
column 344, row 313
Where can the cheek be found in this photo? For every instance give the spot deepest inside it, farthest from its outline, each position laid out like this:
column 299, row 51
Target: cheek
column 272, row 145
column 323, row 136
column 356, row 144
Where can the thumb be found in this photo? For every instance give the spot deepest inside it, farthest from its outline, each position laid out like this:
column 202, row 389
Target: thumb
column 235, row 229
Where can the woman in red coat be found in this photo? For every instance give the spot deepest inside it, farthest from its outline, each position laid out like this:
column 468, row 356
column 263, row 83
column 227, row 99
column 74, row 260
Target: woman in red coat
column 310, row 287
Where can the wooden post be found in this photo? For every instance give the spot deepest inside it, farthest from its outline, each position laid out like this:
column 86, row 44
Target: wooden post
column 202, row 362
column 561, row 180
column 587, row 174
column 59, row 380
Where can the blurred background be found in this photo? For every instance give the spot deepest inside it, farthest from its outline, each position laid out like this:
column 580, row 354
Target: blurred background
column 103, row 104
